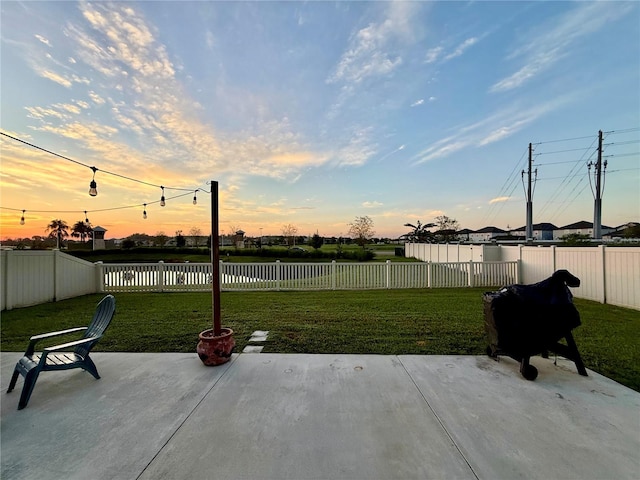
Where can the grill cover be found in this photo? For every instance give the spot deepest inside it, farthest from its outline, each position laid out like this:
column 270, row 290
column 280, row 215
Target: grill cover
column 525, row 320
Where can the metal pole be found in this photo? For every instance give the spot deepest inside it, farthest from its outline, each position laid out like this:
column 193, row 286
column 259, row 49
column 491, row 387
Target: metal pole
column 215, row 261
column 597, row 208
column 529, row 229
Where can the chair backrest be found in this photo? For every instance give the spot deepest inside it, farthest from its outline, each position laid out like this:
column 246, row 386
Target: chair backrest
column 102, row 317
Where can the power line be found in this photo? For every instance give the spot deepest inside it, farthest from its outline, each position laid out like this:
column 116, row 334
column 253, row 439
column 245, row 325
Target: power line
column 563, row 140
column 510, row 182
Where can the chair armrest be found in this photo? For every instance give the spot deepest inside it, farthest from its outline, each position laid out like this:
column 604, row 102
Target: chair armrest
column 36, row 338
column 70, row 344
column 57, row 334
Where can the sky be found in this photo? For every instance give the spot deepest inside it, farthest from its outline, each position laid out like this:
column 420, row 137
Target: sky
column 312, row 114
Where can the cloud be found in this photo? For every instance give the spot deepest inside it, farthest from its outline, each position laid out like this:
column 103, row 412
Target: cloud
column 433, row 54
column 493, row 128
column 417, row 102
column 54, row 77
column 432, row 99
column 462, row 48
column 547, row 44
column 372, row 204
column 97, row 99
column 499, row 200
column 43, row 40
column 373, row 50
column 358, row 149
column 210, row 40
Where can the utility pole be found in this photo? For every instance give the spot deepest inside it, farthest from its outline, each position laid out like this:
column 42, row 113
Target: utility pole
column 529, row 228
column 597, row 207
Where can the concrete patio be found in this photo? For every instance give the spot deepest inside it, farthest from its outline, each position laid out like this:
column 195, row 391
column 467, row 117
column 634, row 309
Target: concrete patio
column 287, row 416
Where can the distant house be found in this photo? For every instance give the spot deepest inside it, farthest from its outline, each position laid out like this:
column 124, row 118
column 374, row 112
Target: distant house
column 541, row 231
column 463, row 235
column 579, row 228
column 486, row 234
column 623, row 231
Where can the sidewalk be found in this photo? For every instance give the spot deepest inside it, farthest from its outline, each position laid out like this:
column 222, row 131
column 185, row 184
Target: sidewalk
column 287, row 416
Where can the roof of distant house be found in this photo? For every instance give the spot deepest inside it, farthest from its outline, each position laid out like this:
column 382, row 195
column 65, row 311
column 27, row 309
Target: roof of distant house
column 538, row 226
column 580, row 225
column 490, row 230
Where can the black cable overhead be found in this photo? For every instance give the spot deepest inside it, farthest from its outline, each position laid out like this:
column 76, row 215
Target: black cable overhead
column 93, row 187
column 510, row 182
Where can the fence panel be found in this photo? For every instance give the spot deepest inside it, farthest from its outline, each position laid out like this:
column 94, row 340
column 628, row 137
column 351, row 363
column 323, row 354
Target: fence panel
column 73, row 276
column 586, row 263
column 249, row 276
column 622, row 283
column 30, row 278
column 360, row 276
column 537, row 263
column 409, row 275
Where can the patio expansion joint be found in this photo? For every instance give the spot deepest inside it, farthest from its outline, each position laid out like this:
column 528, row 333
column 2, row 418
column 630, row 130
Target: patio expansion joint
column 444, row 428
column 187, row 417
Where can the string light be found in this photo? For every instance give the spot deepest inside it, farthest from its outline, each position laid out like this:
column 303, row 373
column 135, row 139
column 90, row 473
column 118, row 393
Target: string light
column 86, row 219
column 93, row 187
column 144, row 212
column 93, row 190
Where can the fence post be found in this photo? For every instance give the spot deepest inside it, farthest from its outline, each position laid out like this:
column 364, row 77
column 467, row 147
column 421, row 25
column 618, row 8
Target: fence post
column 277, row 275
column 388, row 273
column 161, row 276
column 9, row 280
column 603, row 272
column 99, row 277
column 429, row 267
column 471, row 273
column 56, row 253
column 333, row 274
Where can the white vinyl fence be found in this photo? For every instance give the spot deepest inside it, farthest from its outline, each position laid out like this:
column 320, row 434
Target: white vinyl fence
column 31, row 277
column 607, row 274
column 161, row 277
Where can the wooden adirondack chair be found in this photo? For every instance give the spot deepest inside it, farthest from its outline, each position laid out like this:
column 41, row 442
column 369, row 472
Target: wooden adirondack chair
column 31, row 364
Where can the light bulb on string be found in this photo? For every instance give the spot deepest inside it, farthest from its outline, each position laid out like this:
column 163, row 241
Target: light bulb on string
column 144, row 212
column 86, row 219
column 195, row 199
column 22, row 218
column 93, row 187
column 162, row 202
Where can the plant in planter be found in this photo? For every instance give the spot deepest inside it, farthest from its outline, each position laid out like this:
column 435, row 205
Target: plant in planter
column 216, row 344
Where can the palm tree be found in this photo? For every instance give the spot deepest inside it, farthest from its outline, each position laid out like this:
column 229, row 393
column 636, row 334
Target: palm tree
column 420, row 232
column 58, row 229
column 81, row 229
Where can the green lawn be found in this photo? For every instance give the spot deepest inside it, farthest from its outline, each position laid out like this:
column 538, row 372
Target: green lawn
column 438, row 321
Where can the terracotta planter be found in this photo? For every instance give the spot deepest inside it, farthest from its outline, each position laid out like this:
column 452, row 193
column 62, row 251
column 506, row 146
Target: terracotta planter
column 215, row 350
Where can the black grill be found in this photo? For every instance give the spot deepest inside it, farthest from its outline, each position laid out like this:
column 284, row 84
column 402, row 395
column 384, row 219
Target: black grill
column 526, row 320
